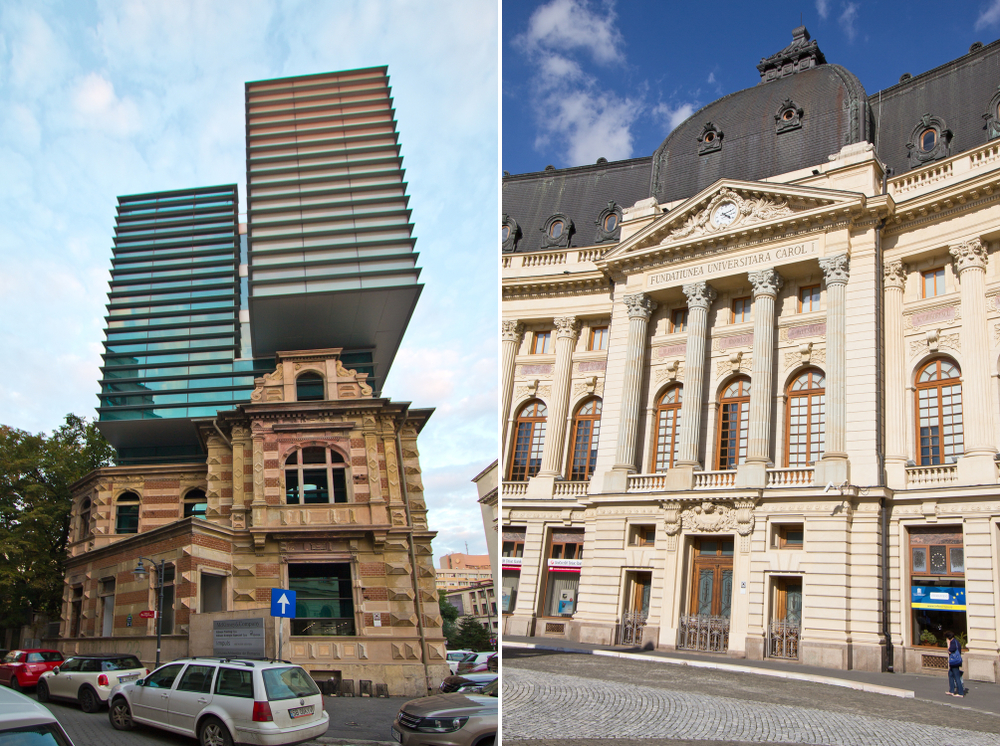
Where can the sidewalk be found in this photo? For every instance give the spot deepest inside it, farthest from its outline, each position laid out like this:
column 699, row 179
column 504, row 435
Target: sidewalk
column 982, row 696
column 361, row 721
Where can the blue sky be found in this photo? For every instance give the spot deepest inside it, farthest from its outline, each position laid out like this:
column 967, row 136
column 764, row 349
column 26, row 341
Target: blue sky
column 105, row 98
column 589, row 78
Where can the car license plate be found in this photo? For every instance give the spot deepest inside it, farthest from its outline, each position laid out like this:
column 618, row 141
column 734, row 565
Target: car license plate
column 299, row 712
column 396, row 735
column 128, row 677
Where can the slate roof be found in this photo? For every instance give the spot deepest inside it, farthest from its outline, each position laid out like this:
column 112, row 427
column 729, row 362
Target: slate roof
column 580, row 193
column 958, row 92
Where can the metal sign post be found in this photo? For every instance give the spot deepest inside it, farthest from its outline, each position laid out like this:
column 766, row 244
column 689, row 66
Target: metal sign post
column 282, row 606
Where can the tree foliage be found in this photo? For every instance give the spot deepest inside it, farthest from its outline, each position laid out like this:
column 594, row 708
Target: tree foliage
column 36, row 472
column 471, row 635
column 450, row 615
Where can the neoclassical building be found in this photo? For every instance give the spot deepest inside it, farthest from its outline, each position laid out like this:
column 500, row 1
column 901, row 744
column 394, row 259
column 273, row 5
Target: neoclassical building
column 750, row 383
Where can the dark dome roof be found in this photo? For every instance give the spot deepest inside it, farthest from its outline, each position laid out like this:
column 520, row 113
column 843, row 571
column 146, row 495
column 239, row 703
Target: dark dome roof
column 747, row 144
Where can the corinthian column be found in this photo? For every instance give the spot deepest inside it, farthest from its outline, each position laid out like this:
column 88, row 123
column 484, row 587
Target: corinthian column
column 639, row 310
column 970, row 265
column 511, row 334
column 895, row 376
column 567, row 329
column 766, row 284
column 699, row 297
column 834, row 466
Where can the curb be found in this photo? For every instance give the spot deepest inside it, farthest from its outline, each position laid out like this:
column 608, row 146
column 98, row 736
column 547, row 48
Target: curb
column 352, row 742
column 815, row 678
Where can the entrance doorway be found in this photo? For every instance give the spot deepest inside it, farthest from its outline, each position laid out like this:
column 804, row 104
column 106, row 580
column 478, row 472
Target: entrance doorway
column 706, row 625
column 635, row 611
column 786, row 618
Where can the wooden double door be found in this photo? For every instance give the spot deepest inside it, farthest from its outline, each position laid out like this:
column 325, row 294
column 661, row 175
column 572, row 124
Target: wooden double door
column 712, row 577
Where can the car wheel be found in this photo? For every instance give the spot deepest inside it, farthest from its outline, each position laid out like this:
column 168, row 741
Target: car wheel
column 213, row 733
column 14, row 685
column 89, row 701
column 42, row 691
column 120, row 715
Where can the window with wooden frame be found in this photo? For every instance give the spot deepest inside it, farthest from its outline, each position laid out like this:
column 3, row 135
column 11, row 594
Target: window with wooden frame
column 541, row 343
column 937, row 551
column 809, row 298
column 932, row 282
column 940, row 437
column 678, row 320
column 712, row 577
column 598, row 338
column 586, row 431
column 668, row 414
column 512, row 548
column 788, row 536
column 937, row 584
column 734, row 423
column 562, row 582
column 127, row 513
column 805, row 434
column 84, row 530
column 529, row 439
column 741, row 310
column 642, row 535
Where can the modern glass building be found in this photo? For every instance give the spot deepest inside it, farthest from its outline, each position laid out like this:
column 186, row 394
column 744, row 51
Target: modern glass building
column 199, row 303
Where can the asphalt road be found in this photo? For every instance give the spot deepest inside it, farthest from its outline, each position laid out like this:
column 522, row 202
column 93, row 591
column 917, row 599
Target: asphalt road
column 580, row 700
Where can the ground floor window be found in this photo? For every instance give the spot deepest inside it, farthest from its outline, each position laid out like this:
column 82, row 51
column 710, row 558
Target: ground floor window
column 169, row 573
column 324, row 604
column 76, row 613
column 213, row 590
column 107, row 607
column 937, row 585
column 511, row 579
column 564, row 560
column 562, row 593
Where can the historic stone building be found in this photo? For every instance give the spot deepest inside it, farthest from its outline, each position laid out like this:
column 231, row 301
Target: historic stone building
column 750, row 384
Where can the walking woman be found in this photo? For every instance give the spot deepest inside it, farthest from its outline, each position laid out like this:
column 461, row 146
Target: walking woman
column 956, row 687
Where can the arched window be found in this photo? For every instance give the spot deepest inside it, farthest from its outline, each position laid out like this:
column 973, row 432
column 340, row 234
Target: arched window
column 195, row 503
column 939, row 413
column 529, row 438
column 668, row 414
column 309, row 387
column 84, row 518
column 127, row 515
column 586, row 430
column 734, row 416
column 311, row 474
column 806, row 418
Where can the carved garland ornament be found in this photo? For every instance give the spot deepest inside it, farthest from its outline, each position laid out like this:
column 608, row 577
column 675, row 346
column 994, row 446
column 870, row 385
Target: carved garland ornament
column 749, row 211
column 709, row 517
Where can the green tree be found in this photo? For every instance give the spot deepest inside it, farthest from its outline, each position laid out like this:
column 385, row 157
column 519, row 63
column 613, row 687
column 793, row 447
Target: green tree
column 472, row 635
column 450, row 615
column 36, row 473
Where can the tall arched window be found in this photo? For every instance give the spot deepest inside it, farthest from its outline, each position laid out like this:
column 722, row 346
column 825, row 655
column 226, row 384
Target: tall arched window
column 529, row 438
column 586, row 430
column 939, row 413
column 309, row 387
column 195, row 503
column 806, row 418
column 668, row 415
column 311, row 474
column 84, row 518
column 127, row 515
column 734, row 417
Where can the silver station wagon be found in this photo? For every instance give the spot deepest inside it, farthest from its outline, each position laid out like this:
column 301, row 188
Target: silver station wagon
column 222, row 701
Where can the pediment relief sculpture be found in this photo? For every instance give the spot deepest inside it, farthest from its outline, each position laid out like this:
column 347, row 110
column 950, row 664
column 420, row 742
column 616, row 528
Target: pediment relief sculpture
column 729, row 210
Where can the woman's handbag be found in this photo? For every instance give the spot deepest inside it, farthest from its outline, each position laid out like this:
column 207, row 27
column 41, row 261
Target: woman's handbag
column 955, row 658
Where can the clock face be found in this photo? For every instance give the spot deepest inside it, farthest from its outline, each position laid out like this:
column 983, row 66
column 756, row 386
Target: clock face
column 725, row 214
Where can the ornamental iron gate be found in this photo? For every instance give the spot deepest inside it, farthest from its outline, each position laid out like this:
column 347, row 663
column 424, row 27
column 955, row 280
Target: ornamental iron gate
column 703, row 632
column 784, row 640
column 631, row 627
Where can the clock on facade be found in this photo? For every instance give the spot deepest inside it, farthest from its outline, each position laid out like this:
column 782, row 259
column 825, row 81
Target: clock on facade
column 725, row 214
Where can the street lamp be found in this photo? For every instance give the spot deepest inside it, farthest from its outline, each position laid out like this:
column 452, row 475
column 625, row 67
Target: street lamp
column 140, row 572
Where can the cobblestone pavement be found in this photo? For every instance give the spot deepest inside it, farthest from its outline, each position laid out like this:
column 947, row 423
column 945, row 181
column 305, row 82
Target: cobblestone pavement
column 567, row 698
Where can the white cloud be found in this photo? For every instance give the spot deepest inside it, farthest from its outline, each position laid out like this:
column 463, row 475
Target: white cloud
column 591, row 125
column 823, row 8
column 674, row 115
column 98, row 106
column 989, row 16
column 848, row 20
column 572, row 25
column 711, row 78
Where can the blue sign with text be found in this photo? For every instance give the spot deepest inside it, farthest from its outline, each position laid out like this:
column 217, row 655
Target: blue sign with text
column 936, row 597
column 282, row 603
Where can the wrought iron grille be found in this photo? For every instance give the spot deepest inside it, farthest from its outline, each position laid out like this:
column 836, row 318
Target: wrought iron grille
column 703, row 632
column 783, row 640
column 630, row 628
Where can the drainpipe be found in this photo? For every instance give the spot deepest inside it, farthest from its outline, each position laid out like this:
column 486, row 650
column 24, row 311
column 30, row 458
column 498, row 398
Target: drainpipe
column 417, row 604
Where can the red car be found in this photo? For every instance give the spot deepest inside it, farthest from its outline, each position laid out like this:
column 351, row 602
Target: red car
column 21, row 668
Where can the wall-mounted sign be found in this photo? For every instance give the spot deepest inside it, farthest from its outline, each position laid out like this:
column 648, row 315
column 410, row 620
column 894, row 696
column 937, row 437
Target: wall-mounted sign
column 377, row 618
column 933, row 597
column 565, row 565
column 238, row 637
column 128, row 621
column 511, row 563
column 147, row 614
column 567, row 600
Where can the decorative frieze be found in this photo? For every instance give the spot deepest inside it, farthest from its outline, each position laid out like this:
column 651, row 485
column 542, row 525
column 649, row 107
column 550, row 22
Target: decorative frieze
column 936, row 315
column 806, row 354
column 670, row 351
column 804, row 331
column 672, row 371
column 739, row 362
column 739, row 340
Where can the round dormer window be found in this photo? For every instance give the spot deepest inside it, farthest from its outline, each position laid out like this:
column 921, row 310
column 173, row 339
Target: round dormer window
column 788, row 115
column 556, row 229
column 610, row 222
column 505, row 232
column 928, row 139
column 709, row 136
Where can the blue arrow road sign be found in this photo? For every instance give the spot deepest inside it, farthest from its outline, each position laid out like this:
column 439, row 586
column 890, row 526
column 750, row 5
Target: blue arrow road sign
column 282, row 603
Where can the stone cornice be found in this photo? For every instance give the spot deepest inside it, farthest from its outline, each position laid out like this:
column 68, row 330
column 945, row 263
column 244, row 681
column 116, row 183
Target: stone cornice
column 136, row 543
column 549, row 286
column 151, row 471
column 945, row 202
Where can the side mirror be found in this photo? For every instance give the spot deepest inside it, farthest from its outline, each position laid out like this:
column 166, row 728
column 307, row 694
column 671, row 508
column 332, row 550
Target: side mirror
column 55, row 671
column 140, row 682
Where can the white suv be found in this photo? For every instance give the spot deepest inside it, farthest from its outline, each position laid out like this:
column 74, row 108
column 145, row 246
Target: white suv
column 221, row 701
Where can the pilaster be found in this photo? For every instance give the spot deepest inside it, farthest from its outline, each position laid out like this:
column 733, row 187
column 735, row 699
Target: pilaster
column 700, row 296
column 567, row 329
column 512, row 332
column 640, row 308
column 834, row 466
column 895, row 376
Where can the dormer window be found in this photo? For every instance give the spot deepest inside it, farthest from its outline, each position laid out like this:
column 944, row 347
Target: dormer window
column 788, row 117
column 309, row 387
column 710, row 139
column 928, row 139
column 556, row 229
column 610, row 222
column 504, row 233
column 195, row 504
column 508, row 233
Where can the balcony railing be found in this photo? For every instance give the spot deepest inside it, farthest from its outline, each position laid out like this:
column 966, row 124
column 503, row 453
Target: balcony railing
column 570, row 489
column 646, row 482
column 798, row 476
column 514, row 489
column 931, row 476
column 713, row 480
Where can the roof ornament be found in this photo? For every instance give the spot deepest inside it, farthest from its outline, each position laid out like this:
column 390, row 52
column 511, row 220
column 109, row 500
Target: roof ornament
column 802, row 54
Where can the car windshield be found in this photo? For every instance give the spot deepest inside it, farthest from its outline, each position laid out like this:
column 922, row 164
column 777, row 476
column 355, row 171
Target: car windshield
column 288, row 683
column 490, row 690
column 121, row 664
column 34, row 735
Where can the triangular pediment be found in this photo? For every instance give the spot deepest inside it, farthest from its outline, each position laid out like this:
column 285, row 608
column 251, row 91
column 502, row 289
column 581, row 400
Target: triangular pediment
column 730, row 209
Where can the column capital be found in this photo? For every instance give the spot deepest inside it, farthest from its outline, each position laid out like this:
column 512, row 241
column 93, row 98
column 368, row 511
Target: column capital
column 836, row 269
column 699, row 294
column 765, row 282
column 566, row 327
column 511, row 330
column 895, row 275
column 970, row 254
column 639, row 305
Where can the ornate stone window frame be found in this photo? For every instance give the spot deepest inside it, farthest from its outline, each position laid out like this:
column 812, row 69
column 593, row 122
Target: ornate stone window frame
column 510, row 244
column 992, row 117
column 942, row 141
column 329, row 466
column 562, row 240
column 603, row 234
column 788, row 117
column 710, row 139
